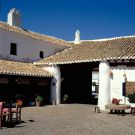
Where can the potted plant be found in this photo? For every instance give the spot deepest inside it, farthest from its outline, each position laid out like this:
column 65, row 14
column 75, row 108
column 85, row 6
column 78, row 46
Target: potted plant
column 65, row 98
column 39, row 100
column 131, row 97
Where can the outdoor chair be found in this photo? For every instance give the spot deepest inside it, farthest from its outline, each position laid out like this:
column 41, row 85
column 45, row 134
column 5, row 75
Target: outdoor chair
column 17, row 110
column 0, row 115
column 5, row 113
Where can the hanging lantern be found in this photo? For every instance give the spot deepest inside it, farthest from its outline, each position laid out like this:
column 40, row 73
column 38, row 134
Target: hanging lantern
column 111, row 73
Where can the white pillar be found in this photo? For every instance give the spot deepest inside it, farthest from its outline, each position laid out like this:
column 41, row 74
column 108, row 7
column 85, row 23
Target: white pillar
column 55, row 84
column 104, row 84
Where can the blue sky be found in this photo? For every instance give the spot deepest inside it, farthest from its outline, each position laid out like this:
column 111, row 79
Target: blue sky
column 61, row 18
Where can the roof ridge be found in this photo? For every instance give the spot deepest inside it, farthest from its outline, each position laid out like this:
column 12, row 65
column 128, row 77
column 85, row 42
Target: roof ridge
column 108, row 39
column 47, row 36
column 33, row 34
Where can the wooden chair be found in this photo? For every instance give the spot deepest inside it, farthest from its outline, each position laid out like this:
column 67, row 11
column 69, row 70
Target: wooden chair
column 5, row 113
column 17, row 110
column 1, row 115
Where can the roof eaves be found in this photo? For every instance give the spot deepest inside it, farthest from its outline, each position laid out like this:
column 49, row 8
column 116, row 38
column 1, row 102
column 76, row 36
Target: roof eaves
column 25, row 74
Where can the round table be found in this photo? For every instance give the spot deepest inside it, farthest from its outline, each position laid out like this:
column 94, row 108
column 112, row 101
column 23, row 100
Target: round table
column 117, row 108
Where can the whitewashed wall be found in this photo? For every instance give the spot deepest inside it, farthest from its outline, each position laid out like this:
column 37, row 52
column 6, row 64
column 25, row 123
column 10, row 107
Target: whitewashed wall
column 27, row 47
column 95, row 75
column 116, row 81
column 55, row 84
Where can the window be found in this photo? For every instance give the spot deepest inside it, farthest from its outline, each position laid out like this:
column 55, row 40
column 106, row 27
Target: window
column 41, row 54
column 13, row 49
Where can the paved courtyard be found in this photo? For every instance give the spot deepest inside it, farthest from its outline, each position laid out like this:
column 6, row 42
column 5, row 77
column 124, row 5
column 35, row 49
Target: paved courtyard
column 72, row 119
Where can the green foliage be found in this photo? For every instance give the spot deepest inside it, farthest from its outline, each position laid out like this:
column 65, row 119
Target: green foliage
column 39, row 99
column 66, row 97
column 131, row 97
column 94, row 83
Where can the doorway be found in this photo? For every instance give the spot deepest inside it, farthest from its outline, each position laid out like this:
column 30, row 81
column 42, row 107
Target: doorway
column 76, row 82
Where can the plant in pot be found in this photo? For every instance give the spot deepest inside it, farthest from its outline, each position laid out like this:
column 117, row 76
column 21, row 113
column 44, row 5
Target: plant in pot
column 131, row 97
column 39, row 100
column 65, row 98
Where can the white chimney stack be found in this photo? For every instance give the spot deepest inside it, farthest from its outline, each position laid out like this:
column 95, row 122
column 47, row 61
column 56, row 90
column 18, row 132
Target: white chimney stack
column 77, row 37
column 14, row 18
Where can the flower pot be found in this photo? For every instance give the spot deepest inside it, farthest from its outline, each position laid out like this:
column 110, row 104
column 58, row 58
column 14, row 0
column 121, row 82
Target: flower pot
column 38, row 104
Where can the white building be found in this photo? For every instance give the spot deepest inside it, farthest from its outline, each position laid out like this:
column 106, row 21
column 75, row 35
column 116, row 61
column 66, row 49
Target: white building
column 19, row 48
column 70, row 63
column 114, row 59
column 20, row 44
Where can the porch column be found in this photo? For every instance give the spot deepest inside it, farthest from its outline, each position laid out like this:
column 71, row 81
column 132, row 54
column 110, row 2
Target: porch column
column 104, row 84
column 55, row 84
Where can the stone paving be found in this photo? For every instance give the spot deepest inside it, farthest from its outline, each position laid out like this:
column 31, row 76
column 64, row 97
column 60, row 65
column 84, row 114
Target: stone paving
column 71, row 119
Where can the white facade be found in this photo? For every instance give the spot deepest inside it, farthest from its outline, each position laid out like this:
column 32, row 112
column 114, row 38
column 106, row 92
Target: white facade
column 28, row 48
column 110, row 86
column 118, row 79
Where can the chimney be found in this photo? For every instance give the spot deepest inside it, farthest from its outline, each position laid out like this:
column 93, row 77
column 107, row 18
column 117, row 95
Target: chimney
column 14, row 18
column 77, row 37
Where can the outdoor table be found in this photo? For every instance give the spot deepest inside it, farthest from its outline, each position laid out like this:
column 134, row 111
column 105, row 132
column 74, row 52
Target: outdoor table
column 117, row 108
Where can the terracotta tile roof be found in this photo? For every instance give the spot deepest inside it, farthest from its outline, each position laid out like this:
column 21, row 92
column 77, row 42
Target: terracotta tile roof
column 87, row 51
column 34, row 35
column 24, row 69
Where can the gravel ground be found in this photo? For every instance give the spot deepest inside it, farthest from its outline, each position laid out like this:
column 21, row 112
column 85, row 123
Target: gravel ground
column 71, row 119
